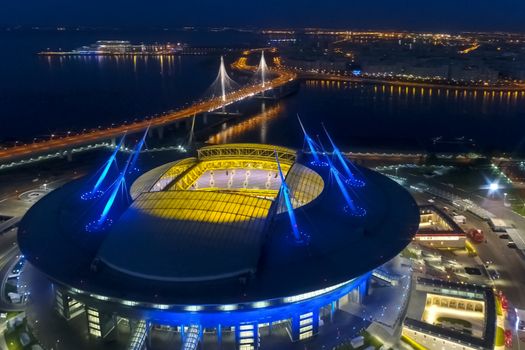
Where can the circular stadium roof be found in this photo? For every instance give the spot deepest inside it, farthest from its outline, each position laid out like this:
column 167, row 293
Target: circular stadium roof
column 218, row 222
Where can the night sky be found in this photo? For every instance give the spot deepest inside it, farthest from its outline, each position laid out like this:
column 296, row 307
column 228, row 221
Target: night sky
column 446, row 15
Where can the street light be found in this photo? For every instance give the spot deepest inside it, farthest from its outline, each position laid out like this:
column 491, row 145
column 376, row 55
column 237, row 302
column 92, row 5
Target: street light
column 493, row 186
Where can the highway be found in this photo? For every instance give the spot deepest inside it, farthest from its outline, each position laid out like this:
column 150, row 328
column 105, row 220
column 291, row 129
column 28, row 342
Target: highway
column 509, row 264
column 8, row 256
column 507, row 261
column 94, row 136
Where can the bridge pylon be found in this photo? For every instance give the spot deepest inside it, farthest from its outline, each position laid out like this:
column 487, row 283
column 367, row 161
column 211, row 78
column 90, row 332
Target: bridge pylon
column 262, row 70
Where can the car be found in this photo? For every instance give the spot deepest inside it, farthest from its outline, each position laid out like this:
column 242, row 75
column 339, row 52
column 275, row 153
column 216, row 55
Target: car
column 504, row 236
column 494, row 274
column 511, row 244
column 476, row 235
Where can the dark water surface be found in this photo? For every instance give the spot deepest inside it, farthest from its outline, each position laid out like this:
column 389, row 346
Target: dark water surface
column 367, row 116
column 40, row 96
column 44, row 95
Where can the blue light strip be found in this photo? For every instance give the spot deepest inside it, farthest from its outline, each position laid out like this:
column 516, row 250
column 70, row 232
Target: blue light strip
column 117, row 185
column 137, row 150
column 289, row 206
column 341, row 185
column 343, row 161
column 240, row 315
column 354, row 210
column 310, row 142
column 107, row 166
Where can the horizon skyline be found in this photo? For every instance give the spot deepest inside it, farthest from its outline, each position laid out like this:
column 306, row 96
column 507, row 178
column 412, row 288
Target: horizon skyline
column 254, row 28
column 411, row 15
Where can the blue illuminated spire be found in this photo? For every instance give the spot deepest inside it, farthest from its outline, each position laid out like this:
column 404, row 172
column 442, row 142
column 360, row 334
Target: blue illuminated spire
column 289, row 207
column 311, row 146
column 351, row 179
column 138, row 148
column 351, row 207
column 103, row 221
column 111, row 200
column 96, row 192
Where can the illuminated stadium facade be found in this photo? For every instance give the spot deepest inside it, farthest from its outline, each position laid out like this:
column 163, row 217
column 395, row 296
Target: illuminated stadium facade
column 231, row 243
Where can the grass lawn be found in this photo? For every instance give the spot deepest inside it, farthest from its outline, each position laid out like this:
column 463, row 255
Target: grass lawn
column 516, row 199
column 517, row 204
column 12, row 338
column 12, row 314
column 407, row 253
column 518, row 208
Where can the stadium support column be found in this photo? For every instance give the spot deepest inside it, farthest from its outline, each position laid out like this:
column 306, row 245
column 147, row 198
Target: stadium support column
column 247, row 335
column 148, row 334
column 315, row 322
column 295, row 328
column 333, row 307
column 219, row 335
column 362, row 290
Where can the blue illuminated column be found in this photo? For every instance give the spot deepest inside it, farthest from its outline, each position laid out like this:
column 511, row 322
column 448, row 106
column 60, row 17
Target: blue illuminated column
column 351, row 178
column 295, row 328
column 351, row 207
column 107, row 166
column 363, row 289
column 136, row 153
column 315, row 321
column 109, row 204
column 310, row 143
column 95, row 191
column 219, row 334
column 286, row 195
column 349, row 201
column 117, row 185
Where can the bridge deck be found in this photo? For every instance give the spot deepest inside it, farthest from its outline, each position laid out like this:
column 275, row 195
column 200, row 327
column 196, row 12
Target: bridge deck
column 50, row 146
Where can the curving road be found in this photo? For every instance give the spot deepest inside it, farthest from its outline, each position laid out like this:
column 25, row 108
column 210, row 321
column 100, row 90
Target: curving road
column 54, row 145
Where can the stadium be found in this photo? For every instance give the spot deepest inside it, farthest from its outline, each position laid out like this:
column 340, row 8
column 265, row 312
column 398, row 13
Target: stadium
column 233, row 245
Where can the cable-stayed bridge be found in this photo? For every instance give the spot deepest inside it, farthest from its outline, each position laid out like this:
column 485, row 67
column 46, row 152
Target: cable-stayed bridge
column 224, row 92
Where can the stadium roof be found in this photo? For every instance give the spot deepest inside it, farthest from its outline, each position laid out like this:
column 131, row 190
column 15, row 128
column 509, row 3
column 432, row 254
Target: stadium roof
column 164, row 232
column 171, row 238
